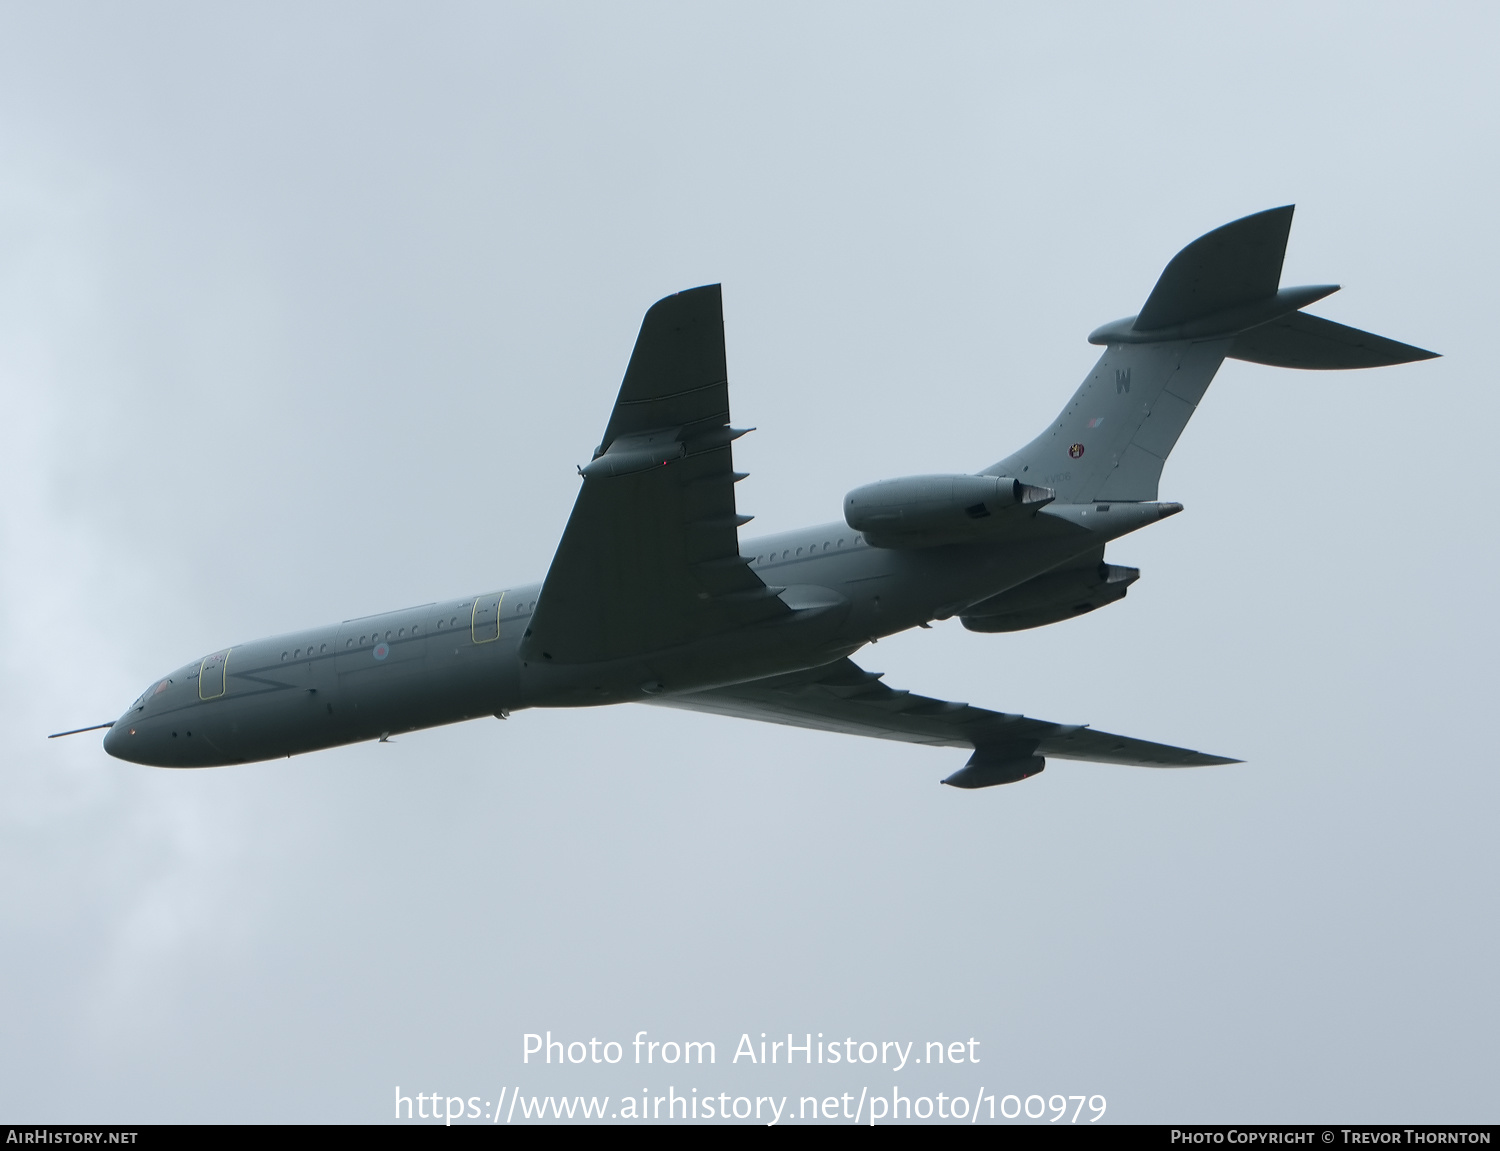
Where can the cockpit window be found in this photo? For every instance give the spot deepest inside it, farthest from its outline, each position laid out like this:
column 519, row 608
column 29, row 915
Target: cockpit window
column 153, row 690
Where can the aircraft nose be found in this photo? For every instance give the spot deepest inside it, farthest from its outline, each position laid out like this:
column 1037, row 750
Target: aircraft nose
column 118, row 741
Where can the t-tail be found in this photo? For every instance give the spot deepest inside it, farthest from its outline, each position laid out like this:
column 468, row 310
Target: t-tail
column 1219, row 297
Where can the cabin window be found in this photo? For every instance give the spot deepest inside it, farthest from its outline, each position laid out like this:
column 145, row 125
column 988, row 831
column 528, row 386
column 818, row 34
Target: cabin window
column 283, row 657
column 322, row 647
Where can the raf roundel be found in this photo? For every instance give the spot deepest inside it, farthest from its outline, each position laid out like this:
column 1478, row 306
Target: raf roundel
column 1075, row 451
column 382, row 650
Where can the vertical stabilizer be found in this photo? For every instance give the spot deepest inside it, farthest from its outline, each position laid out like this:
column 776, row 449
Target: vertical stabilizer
column 1112, row 439
column 1218, row 297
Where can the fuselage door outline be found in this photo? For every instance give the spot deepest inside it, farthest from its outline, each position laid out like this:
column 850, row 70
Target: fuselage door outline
column 213, row 672
column 484, row 627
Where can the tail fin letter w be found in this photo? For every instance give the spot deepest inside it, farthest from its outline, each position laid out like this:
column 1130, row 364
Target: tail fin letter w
column 1122, row 380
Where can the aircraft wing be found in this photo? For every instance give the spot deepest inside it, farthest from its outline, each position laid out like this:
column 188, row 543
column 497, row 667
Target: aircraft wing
column 650, row 557
column 843, row 697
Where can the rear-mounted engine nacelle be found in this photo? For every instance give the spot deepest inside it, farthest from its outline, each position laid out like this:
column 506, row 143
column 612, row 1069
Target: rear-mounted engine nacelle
column 924, row 511
column 1052, row 597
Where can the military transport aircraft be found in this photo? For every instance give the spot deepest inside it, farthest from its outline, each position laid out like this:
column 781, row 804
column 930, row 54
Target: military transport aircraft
column 653, row 597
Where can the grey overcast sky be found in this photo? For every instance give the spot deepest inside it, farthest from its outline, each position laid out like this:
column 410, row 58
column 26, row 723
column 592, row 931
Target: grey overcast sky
column 309, row 310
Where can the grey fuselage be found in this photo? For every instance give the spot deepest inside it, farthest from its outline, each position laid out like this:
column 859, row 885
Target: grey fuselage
column 652, row 583
column 460, row 659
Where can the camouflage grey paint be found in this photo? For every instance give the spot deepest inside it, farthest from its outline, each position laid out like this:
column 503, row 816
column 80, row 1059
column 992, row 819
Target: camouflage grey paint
column 647, row 600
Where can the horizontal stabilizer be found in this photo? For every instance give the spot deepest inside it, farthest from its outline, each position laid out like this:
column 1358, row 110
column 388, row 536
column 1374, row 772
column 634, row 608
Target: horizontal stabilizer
column 1229, row 267
column 1311, row 342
